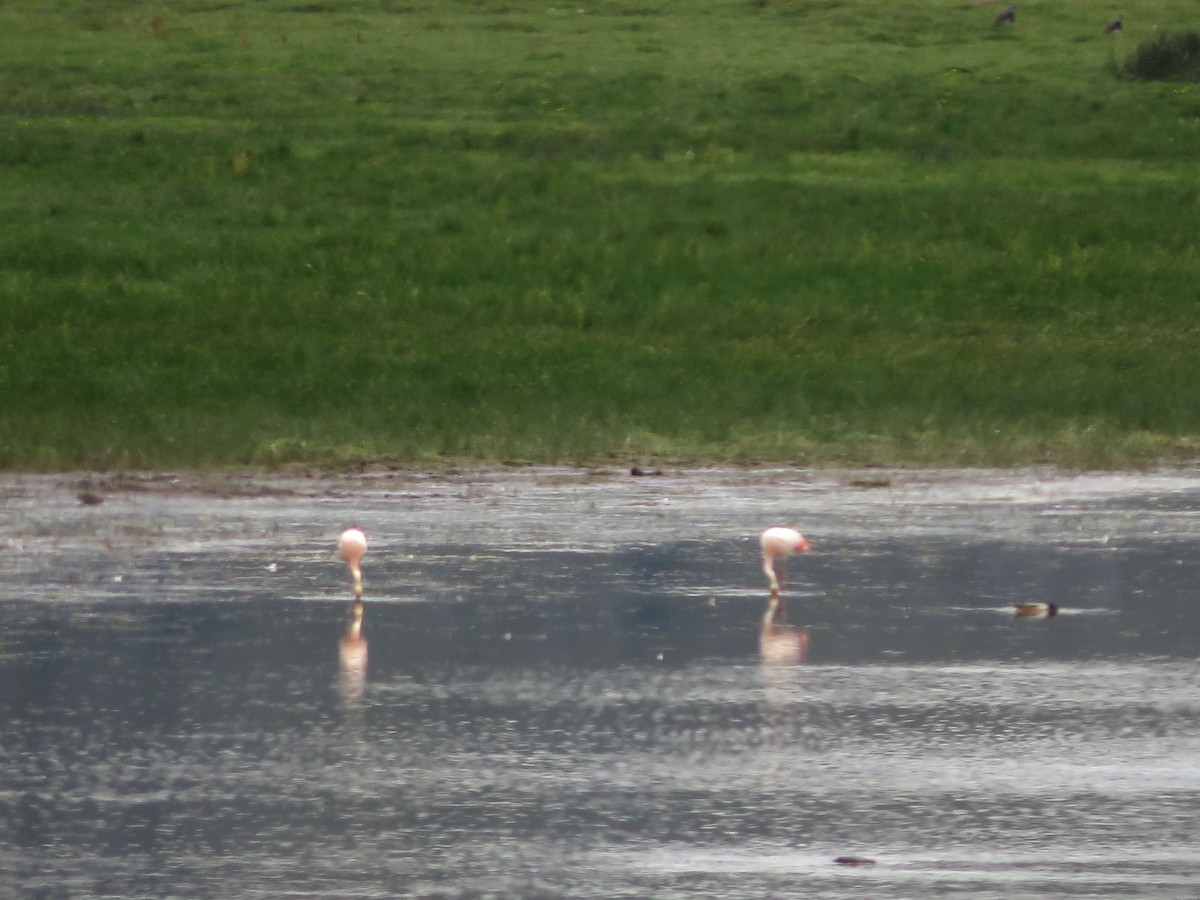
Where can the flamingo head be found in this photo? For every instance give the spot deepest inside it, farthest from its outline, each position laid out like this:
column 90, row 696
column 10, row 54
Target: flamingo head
column 352, row 544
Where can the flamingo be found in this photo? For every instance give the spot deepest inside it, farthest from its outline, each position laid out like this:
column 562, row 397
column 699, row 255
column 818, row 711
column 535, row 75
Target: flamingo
column 779, row 542
column 1034, row 610
column 353, row 546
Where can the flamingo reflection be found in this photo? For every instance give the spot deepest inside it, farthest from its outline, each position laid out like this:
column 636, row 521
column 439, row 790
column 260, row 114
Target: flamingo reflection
column 352, row 655
column 780, row 644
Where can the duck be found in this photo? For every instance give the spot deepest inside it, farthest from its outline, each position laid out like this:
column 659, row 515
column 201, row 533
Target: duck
column 1034, row 610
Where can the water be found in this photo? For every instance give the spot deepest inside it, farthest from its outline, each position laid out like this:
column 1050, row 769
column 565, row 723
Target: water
column 567, row 691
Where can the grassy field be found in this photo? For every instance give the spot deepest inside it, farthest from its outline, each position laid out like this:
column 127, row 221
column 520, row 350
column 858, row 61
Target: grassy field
column 828, row 231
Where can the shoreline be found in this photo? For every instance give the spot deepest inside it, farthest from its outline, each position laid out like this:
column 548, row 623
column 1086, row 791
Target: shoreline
column 322, row 482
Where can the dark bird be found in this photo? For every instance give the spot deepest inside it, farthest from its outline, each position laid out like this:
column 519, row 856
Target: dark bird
column 89, row 498
column 1009, row 15
column 1034, row 610
column 1115, row 25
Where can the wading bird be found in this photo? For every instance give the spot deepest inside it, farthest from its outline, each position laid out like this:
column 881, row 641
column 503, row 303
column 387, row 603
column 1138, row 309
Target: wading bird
column 778, row 542
column 1034, row 610
column 353, row 546
column 1007, row 17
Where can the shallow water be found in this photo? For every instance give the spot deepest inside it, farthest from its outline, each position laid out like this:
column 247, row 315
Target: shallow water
column 567, row 692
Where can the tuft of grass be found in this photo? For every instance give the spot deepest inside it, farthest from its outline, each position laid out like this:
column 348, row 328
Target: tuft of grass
column 1170, row 56
column 793, row 232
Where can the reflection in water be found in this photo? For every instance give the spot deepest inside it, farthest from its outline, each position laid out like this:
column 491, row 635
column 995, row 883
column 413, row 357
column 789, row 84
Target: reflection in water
column 778, row 643
column 782, row 644
column 352, row 657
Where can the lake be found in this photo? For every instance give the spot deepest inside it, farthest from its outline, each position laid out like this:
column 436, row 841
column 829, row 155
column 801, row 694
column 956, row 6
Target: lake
column 564, row 687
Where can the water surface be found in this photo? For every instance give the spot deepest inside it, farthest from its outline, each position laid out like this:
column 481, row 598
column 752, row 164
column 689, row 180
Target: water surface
column 566, row 690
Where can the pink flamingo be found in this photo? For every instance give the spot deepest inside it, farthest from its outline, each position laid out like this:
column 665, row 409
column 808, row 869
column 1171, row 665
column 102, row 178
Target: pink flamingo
column 353, row 546
column 778, row 542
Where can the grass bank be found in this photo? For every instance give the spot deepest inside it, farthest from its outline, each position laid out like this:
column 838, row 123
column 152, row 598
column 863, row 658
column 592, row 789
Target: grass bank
column 277, row 232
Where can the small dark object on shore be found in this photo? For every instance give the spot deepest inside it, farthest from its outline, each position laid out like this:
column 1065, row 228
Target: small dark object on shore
column 88, row 498
column 640, row 473
column 854, row 861
column 871, row 483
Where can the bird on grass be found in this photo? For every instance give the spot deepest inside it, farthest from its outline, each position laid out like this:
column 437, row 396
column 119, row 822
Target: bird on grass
column 1007, row 17
column 353, row 546
column 1034, row 610
column 1115, row 25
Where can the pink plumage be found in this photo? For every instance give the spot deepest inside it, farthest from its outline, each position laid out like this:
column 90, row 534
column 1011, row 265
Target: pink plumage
column 353, row 546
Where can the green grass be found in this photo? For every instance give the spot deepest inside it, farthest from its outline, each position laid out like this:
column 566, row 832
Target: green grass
column 810, row 232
